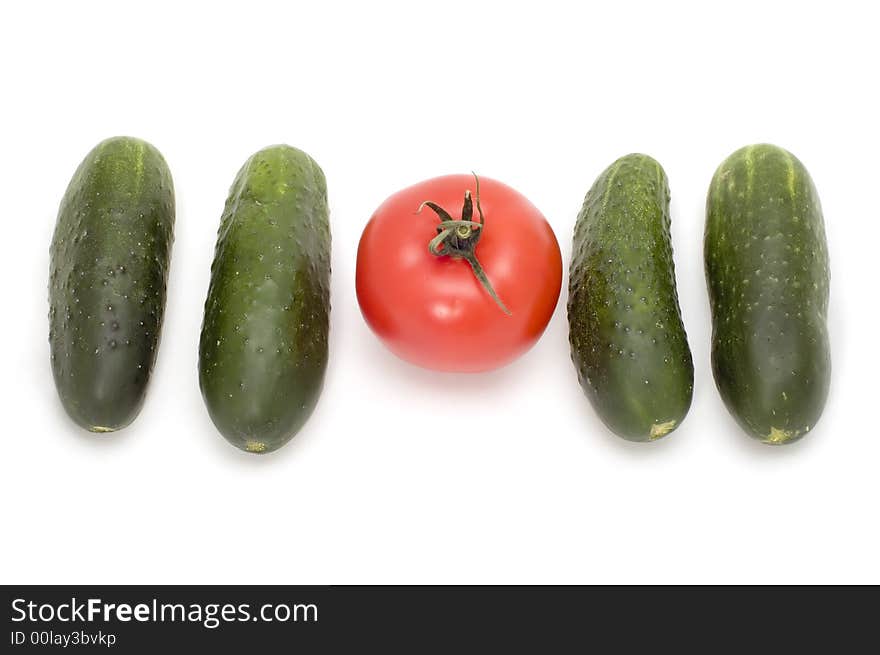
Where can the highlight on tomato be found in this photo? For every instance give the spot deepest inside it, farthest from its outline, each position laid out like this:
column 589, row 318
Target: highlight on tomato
column 458, row 273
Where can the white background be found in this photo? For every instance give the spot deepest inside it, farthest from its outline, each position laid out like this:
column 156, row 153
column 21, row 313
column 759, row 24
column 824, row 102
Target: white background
column 530, row 487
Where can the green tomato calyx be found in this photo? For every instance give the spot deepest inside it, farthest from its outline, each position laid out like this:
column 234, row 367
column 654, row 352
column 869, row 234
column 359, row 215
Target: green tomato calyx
column 458, row 238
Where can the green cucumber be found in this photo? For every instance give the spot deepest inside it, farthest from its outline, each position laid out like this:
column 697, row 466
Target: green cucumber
column 628, row 342
column 263, row 348
column 109, row 267
column 767, row 271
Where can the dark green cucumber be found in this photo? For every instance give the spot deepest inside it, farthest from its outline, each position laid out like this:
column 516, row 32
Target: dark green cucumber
column 767, row 272
column 627, row 339
column 263, row 349
column 109, row 267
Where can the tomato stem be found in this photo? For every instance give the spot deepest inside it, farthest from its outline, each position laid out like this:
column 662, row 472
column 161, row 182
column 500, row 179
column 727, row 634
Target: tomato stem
column 459, row 238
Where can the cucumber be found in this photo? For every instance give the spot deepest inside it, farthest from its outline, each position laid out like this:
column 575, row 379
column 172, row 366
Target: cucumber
column 766, row 263
column 263, row 347
column 109, row 267
column 628, row 342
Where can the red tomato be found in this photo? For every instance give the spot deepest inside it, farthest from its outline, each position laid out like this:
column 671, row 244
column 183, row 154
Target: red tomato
column 431, row 309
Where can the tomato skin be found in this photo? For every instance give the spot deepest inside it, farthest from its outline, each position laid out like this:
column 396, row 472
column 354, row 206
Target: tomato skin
column 432, row 311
